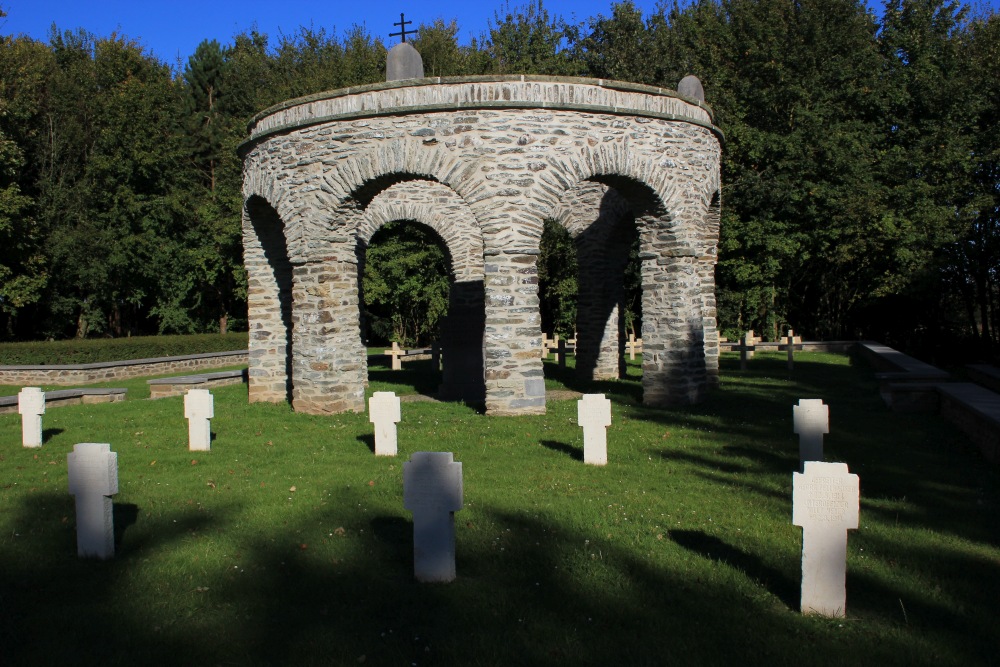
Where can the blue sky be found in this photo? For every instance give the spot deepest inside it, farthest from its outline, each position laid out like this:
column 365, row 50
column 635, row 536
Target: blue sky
column 172, row 30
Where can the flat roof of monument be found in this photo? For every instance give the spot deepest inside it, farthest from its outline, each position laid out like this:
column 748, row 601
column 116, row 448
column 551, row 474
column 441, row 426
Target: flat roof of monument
column 432, row 94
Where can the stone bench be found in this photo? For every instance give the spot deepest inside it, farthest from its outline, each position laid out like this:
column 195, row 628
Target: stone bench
column 976, row 411
column 58, row 398
column 178, row 386
column 985, row 375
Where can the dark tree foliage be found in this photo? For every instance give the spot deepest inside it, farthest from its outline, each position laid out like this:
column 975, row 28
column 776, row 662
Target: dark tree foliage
column 860, row 171
column 407, row 273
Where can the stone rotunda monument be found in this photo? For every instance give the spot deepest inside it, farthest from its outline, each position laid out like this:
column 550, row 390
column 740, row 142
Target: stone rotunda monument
column 483, row 161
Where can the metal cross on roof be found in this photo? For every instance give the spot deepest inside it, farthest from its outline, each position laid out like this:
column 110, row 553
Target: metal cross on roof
column 402, row 28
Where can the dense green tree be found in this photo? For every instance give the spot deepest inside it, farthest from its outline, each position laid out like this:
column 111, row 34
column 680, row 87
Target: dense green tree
column 23, row 271
column 557, row 280
column 526, row 40
column 405, row 283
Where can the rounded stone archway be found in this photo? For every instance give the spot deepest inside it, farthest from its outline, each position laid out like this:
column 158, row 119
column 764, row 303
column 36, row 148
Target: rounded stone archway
column 483, row 162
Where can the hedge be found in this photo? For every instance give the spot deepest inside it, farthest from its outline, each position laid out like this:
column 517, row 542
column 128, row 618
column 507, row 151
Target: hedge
column 93, row 350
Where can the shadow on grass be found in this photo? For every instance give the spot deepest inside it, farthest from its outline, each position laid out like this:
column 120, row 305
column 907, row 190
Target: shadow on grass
column 49, row 433
column 369, row 441
column 125, row 516
column 712, row 548
column 417, row 375
column 626, row 391
column 550, row 593
column 574, row 453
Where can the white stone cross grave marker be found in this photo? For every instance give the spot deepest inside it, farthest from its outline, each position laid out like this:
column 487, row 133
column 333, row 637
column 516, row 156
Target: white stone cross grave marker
column 545, row 345
column 825, row 503
column 593, row 414
column 199, row 409
column 432, row 490
column 633, row 345
column 31, row 405
column 383, row 411
column 790, row 342
column 746, row 348
column 810, row 420
column 93, row 478
column 396, row 354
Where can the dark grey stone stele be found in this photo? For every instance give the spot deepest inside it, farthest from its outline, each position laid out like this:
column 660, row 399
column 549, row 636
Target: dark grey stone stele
column 690, row 86
column 404, row 62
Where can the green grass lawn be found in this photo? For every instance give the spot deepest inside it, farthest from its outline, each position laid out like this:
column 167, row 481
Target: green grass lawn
column 287, row 544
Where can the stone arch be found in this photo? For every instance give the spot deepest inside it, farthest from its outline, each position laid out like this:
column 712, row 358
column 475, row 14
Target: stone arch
column 509, row 149
column 438, row 207
column 671, row 218
column 269, row 300
column 411, row 157
column 600, row 221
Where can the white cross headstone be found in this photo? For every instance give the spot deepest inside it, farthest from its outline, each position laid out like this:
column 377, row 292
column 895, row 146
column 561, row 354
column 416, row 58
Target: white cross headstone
column 593, row 413
column 199, row 409
column 545, row 345
column 93, row 478
column 396, row 354
column 825, row 502
column 790, row 342
column 432, row 490
column 632, row 345
column 810, row 419
column 383, row 411
column 31, row 405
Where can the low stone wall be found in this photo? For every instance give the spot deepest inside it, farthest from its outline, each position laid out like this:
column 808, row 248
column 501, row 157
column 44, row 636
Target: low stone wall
column 55, row 399
column 178, row 386
column 26, row 376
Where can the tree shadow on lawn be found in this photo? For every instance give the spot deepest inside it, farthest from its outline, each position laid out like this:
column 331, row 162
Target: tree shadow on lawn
column 541, row 598
column 625, row 391
column 574, row 453
column 712, row 548
column 418, row 375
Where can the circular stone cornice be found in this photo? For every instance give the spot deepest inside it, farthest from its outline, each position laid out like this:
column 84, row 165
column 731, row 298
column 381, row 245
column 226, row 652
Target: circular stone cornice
column 472, row 93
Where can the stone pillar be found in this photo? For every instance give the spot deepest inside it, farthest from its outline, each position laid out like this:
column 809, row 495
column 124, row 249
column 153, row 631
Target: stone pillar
column 329, row 363
column 673, row 358
column 515, row 384
column 269, row 303
column 463, row 376
column 599, row 311
column 708, row 257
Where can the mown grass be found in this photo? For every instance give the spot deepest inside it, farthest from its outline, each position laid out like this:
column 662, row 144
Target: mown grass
column 288, row 542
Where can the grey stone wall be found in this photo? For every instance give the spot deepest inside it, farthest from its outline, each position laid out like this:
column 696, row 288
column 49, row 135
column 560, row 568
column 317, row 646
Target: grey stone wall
column 72, row 374
column 483, row 162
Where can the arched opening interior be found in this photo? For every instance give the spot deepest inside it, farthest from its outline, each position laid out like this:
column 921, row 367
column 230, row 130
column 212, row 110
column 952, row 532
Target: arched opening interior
column 406, row 279
column 269, row 303
column 596, row 283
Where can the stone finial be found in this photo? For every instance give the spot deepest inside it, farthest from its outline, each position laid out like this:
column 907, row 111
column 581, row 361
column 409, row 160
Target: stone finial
column 403, row 62
column 690, row 86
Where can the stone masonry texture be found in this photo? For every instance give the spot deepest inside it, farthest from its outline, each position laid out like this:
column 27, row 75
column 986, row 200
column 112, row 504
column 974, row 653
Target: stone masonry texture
column 483, row 161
